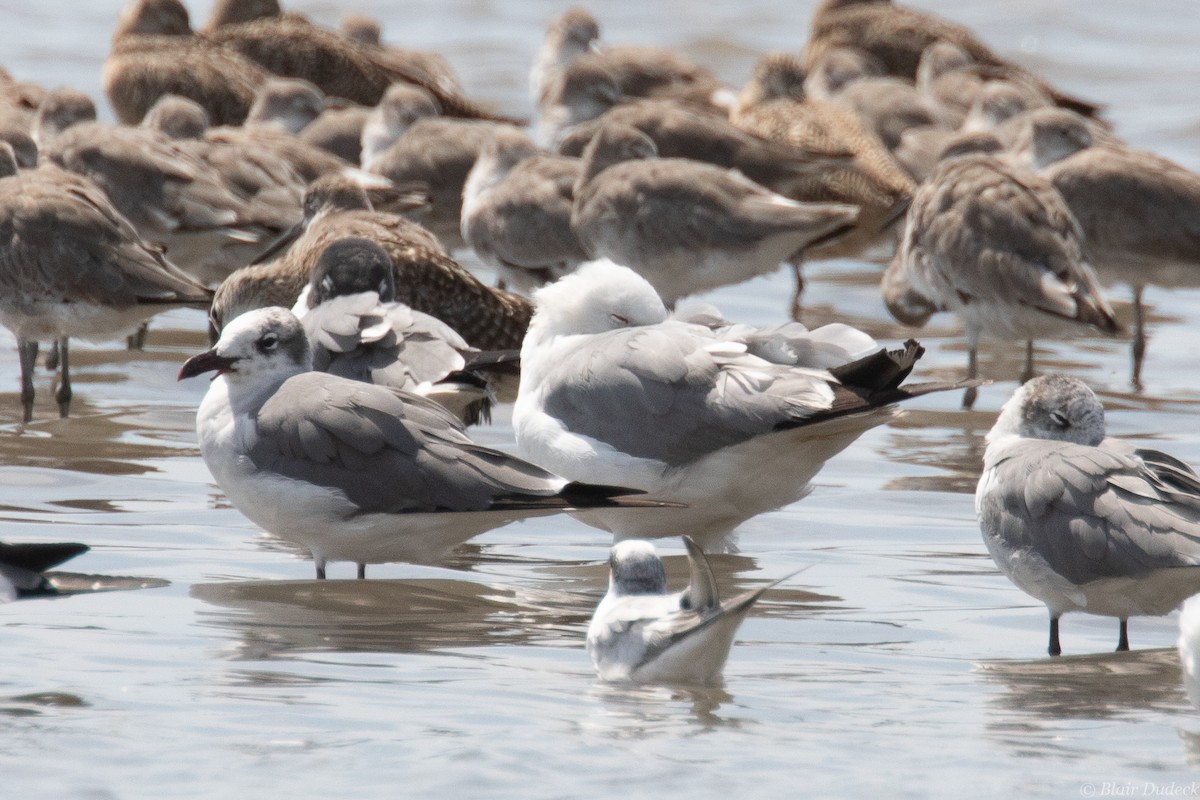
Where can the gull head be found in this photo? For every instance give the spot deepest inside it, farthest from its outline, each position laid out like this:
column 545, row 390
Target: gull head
column 1056, row 407
column 351, row 266
column 600, row 296
column 266, row 345
column 634, row 568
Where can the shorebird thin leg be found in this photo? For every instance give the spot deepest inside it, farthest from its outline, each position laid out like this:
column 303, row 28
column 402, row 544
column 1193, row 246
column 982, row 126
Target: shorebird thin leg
column 320, row 570
column 63, row 395
column 1027, row 373
column 137, row 340
column 1123, row 638
column 27, row 352
column 1055, row 649
column 51, row 363
column 362, row 572
column 1138, row 349
column 972, row 392
column 797, row 270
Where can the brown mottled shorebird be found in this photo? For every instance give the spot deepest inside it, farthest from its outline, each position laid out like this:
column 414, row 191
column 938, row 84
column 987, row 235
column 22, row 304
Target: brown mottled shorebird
column 993, row 242
column 292, row 46
column 172, row 198
column 427, row 279
column 688, row 226
column 1139, row 212
column 773, row 105
column 897, row 35
column 516, row 211
column 71, row 265
column 682, row 131
column 639, row 71
column 154, row 52
column 436, row 152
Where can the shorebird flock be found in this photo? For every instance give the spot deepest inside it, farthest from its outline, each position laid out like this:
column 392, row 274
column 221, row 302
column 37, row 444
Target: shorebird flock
column 308, row 188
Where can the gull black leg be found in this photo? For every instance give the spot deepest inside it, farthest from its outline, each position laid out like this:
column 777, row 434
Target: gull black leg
column 27, row 352
column 1123, row 639
column 63, row 395
column 320, row 570
column 1055, row 649
column 797, row 270
column 1138, row 348
column 362, row 572
column 1027, row 373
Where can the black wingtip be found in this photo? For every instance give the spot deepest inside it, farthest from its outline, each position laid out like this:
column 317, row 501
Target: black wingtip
column 40, row 556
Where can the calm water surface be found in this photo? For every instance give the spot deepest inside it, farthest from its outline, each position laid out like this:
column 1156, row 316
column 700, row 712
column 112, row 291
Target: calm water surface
column 899, row 664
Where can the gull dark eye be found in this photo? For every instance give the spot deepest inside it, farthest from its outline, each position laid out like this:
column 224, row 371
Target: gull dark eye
column 268, row 342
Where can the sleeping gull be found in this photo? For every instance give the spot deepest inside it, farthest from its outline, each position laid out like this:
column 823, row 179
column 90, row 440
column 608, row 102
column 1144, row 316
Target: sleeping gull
column 357, row 330
column 349, row 470
column 640, row 633
column 730, row 424
column 1081, row 522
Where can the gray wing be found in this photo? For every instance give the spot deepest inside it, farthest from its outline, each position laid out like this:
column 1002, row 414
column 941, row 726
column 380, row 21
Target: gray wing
column 389, row 344
column 386, row 450
column 675, row 393
column 1095, row 512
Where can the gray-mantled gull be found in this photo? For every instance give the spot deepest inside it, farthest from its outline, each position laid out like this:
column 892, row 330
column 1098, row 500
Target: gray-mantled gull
column 642, row 634
column 1082, row 522
column 613, row 390
column 991, row 241
column 357, row 330
column 71, row 265
column 22, row 565
column 1139, row 212
column 349, row 470
column 688, row 226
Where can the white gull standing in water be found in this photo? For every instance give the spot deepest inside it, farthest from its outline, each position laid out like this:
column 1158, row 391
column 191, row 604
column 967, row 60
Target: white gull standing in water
column 1082, row 522
column 353, row 471
column 612, row 390
column 643, row 634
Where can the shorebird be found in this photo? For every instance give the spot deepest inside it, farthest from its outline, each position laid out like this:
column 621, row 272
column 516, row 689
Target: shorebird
column 72, row 266
column 728, row 422
column 516, row 211
column 1139, row 212
column 994, row 243
column 22, row 567
column 643, row 634
column 155, row 52
column 352, row 471
column 773, row 105
column 1082, row 522
column 897, row 35
column 688, row 226
column 357, row 330
column 292, row 46
column 407, row 142
column 339, row 131
column 286, row 104
column 427, row 279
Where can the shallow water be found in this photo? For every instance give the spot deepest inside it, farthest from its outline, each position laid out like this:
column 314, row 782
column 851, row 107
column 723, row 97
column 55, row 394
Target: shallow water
column 900, row 663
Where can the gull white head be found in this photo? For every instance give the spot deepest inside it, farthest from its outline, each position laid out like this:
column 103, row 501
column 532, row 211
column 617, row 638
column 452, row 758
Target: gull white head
column 635, row 568
column 1056, row 407
column 600, row 296
column 263, row 348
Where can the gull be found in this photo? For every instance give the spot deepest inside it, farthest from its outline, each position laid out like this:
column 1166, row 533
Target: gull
column 640, row 633
column 730, row 421
column 427, row 279
column 994, row 243
column 349, row 470
column 1139, row 212
column 516, row 211
column 1083, row 522
column 898, row 35
column 22, row 567
column 72, row 266
column 357, row 330
column 685, row 225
